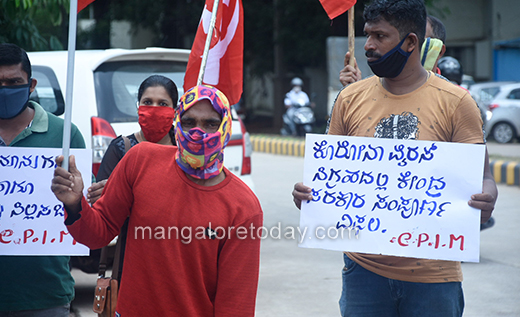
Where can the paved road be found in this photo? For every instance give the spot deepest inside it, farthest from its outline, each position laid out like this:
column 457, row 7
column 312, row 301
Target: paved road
column 509, row 150
column 307, row 282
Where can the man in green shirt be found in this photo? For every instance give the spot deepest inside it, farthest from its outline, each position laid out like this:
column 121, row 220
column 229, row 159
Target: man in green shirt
column 30, row 285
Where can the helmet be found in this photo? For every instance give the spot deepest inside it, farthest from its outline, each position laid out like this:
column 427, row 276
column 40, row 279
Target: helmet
column 296, row 82
column 451, row 69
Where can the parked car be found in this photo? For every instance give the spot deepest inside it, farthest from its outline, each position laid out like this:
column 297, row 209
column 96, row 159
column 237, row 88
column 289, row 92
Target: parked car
column 486, row 91
column 483, row 93
column 105, row 96
column 503, row 114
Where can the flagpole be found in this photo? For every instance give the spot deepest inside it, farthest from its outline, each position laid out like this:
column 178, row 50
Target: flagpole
column 351, row 35
column 70, row 82
column 208, row 42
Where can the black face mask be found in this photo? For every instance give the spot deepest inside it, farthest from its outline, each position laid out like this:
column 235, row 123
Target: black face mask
column 392, row 63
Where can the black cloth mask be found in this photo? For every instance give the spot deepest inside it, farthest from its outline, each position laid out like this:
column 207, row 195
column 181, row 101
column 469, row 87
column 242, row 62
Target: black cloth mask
column 392, row 63
column 14, row 100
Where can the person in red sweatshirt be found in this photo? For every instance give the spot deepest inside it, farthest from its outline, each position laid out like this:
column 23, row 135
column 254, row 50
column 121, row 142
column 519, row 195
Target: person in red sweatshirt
column 193, row 242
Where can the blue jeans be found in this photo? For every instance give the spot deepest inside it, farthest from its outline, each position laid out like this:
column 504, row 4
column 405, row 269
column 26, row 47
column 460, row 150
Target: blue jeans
column 60, row 311
column 367, row 294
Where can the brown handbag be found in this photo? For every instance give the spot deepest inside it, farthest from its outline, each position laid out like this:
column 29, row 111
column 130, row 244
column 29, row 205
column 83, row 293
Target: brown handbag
column 107, row 288
column 105, row 296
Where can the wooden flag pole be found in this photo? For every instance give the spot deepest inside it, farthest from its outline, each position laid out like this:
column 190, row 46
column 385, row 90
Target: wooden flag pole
column 208, row 43
column 351, row 35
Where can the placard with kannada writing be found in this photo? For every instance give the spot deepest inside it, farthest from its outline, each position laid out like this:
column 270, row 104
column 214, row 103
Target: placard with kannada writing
column 31, row 218
column 392, row 197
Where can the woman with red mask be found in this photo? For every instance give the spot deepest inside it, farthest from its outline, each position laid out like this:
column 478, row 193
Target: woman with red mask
column 157, row 98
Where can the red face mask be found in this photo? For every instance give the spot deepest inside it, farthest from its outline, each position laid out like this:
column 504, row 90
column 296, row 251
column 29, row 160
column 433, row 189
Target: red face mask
column 155, row 122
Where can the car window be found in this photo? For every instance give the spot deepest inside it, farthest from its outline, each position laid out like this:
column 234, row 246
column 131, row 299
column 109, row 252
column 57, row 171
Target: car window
column 47, row 92
column 486, row 95
column 515, row 94
column 116, row 85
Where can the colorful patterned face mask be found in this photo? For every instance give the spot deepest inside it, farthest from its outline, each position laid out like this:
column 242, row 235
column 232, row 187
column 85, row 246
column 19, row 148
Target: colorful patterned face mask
column 201, row 154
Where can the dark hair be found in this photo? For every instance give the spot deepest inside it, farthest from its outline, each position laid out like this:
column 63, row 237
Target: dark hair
column 407, row 16
column 159, row 80
column 11, row 54
column 438, row 29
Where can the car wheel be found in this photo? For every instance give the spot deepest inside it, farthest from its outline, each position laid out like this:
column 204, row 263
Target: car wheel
column 503, row 133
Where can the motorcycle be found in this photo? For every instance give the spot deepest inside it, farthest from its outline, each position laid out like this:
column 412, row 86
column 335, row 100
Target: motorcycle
column 298, row 119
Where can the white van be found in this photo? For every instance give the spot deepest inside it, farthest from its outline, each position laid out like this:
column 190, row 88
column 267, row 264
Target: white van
column 105, row 96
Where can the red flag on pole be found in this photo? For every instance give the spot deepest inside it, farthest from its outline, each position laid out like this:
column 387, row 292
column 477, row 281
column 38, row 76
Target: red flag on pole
column 224, row 66
column 82, row 4
column 336, row 7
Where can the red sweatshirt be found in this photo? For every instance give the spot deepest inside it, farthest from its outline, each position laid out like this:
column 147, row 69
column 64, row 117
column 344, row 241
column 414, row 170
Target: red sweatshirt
column 191, row 250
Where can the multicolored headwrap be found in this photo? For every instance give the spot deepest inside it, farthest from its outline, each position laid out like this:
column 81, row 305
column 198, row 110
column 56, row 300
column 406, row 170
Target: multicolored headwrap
column 201, row 154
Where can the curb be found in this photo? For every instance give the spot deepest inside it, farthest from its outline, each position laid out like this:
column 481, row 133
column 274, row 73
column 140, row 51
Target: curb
column 282, row 146
column 503, row 171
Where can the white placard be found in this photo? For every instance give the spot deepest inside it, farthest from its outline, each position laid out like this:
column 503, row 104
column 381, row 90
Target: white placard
column 31, row 218
column 392, row 197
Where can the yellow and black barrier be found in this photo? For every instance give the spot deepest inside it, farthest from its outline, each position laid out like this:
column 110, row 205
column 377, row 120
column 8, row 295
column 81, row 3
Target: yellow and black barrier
column 278, row 145
column 504, row 172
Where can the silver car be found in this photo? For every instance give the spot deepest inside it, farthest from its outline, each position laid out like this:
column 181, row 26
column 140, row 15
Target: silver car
column 484, row 92
column 503, row 114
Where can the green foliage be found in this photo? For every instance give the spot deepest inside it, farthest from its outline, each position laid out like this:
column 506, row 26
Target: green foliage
column 18, row 23
column 173, row 22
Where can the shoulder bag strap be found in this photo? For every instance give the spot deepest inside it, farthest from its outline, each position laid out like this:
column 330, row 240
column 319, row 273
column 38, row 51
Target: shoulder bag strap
column 122, row 236
column 127, row 144
column 121, row 240
column 102, row 262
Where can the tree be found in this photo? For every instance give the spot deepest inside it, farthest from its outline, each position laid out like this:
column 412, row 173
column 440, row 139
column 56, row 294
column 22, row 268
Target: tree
column 26, row 23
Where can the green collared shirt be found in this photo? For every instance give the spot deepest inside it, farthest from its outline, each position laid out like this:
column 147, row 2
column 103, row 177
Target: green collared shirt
column 45, row 130
column 38, row 282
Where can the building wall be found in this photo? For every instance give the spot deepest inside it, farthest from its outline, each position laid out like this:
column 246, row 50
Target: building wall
column 506, row 20
column 472, row 28
column 465, row 21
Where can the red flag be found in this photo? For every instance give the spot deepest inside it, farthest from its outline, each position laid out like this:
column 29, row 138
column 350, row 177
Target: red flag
column 336, row 7
column 224, row 66
column 82, row 4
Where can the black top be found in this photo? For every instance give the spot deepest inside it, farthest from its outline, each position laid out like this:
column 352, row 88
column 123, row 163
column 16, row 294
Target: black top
column 114, row 153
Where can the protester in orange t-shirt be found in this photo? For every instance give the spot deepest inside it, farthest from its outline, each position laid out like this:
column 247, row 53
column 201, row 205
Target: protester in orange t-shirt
column 419, row 105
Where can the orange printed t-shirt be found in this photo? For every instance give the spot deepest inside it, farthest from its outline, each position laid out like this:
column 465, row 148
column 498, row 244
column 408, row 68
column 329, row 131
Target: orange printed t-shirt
column 436, row 111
